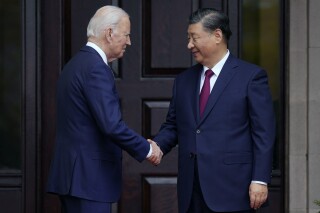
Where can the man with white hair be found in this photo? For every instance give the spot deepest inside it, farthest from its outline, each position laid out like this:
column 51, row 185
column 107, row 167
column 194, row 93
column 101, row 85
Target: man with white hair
column 86, row 166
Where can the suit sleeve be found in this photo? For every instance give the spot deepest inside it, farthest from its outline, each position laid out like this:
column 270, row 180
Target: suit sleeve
column 100, row 92
column 167, row 137
column 262, row 122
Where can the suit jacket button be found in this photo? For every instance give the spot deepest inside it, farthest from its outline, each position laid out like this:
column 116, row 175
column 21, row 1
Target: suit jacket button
column 198, row 131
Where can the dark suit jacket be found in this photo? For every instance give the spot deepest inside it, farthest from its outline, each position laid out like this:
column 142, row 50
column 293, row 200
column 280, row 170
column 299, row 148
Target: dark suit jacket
column 233, row 141
column 90, row 132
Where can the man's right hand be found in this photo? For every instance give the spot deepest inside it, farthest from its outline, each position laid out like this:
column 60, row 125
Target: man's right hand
column 156, row 154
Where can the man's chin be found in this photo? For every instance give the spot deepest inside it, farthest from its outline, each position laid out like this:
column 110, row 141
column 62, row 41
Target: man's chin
column 197, row 59
column 120, row 55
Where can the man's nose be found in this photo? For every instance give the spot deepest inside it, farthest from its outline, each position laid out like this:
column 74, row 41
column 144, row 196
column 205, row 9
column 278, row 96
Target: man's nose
column 190, row 44
column 128, row 40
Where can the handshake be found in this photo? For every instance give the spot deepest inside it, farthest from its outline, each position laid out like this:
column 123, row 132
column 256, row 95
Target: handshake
column 156, row 154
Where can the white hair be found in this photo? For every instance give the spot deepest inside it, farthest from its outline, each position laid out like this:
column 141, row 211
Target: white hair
column 105, row 17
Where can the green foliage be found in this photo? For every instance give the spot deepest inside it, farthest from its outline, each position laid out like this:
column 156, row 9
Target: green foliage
column 317, row 202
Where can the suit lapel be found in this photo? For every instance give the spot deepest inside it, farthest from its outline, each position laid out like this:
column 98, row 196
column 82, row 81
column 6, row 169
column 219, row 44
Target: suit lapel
column 224, row 78
column 196, row 93
column 192, row 88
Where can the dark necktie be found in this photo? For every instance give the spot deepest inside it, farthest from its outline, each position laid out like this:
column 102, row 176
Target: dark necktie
column 205, row 91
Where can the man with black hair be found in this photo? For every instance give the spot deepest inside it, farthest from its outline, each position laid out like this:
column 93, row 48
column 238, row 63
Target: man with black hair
column 221, row 116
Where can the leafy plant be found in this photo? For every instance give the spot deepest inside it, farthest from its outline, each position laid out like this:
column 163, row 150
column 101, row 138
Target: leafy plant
column 317, row 202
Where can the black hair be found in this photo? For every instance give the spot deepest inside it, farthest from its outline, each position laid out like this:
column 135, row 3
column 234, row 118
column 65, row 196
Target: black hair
column 211, row 20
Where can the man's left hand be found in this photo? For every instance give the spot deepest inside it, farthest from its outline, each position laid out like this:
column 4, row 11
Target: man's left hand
column 258, row 195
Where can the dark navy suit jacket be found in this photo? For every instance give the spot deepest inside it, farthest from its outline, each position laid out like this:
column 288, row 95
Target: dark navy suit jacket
column 90, row 132
column 233, row 140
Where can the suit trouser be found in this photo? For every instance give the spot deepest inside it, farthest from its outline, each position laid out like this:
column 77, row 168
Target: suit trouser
column 70, row 204
column 197, row 203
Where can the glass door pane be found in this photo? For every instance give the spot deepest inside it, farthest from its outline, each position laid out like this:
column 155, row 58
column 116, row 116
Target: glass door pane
column 10, row 86
column 261, row 45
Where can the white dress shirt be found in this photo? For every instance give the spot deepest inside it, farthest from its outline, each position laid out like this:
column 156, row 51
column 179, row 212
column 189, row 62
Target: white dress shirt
column 99, row 50
column 216, row 70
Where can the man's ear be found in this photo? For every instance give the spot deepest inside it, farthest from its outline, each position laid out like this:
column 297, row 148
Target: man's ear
column 108, row 34
column 218, row 35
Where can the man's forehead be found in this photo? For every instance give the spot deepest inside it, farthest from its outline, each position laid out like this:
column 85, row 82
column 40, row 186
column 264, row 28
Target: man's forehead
column 124, row 24
column 195, row 28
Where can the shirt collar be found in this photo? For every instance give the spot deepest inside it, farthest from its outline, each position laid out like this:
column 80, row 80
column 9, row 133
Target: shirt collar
column 99, row 50
column 218, row 67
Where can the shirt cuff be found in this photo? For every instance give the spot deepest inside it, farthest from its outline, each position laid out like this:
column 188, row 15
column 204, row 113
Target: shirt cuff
column 259, row 182
column 150, row 152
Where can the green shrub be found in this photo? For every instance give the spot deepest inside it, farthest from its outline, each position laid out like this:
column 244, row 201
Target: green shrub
column 317, row 202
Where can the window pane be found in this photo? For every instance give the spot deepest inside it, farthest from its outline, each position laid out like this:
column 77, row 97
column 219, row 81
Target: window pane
column 10, row 85
column 261, row 45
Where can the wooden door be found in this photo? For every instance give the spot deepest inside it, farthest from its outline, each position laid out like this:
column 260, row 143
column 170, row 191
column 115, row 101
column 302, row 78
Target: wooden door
column 144, row 78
